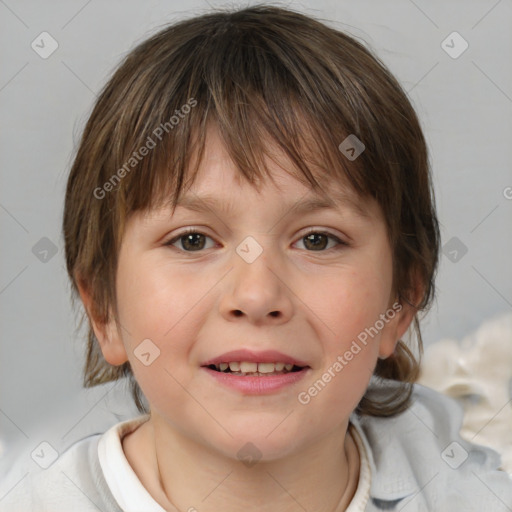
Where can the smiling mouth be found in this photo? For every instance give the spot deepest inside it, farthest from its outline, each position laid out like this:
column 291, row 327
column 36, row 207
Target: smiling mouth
column 255, row 369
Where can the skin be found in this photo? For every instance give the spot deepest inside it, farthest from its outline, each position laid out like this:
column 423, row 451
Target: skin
column 196, row 305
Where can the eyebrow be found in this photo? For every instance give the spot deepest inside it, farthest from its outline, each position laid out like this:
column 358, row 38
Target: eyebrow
column 208, row 202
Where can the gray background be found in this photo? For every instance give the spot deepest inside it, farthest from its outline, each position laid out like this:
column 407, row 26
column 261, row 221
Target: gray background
column 465, row 106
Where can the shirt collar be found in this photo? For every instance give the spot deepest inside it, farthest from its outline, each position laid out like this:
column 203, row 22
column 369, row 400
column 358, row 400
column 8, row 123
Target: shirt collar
column 392, row 476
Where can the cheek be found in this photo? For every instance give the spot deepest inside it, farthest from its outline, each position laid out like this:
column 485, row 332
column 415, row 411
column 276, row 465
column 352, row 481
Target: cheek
column 348, row 304
column 152, row 300
column 166, row 308
column 350, row 301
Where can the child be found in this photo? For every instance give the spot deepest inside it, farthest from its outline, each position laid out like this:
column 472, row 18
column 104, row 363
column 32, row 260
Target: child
column 250, row 225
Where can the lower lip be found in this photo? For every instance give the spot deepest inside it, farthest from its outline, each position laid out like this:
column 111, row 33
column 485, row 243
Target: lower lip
column 257, row 385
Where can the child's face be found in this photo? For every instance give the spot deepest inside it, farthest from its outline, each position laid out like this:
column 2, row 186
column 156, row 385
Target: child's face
column 308, row 304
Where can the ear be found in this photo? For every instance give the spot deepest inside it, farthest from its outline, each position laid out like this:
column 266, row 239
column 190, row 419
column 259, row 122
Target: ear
column 108, row 334
column 397, row 326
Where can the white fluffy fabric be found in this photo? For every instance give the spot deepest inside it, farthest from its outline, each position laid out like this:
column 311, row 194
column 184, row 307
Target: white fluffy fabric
column 477, row 371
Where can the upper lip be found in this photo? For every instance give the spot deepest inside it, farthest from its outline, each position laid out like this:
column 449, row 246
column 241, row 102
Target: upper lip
column 265, row 356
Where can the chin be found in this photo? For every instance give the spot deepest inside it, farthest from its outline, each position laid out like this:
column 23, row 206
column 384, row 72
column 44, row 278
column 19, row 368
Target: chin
column 262, row 443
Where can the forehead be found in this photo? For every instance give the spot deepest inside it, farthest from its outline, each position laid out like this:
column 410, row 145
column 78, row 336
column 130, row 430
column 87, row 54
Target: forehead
column 218, row 181
column 308, row 202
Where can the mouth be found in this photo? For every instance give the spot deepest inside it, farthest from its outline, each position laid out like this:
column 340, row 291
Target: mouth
column 253, row 369
column 256, row 373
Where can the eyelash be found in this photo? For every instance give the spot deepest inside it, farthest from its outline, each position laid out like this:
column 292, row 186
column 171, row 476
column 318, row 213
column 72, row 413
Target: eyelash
column 341, row 244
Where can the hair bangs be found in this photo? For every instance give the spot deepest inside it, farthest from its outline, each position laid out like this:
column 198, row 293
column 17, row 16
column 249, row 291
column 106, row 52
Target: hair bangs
column 262, row 100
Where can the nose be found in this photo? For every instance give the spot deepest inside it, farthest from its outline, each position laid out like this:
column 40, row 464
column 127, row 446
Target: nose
column 257, row 292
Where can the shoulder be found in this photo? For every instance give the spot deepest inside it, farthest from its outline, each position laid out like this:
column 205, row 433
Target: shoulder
column 73, row 482
column 419, row 457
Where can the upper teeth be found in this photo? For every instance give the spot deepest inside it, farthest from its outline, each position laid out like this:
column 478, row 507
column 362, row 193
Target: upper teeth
column 248, row 367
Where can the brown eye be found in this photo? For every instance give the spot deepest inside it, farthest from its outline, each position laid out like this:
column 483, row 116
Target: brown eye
column 190, row 241
column 193, row 241
column 319, row 241
column 316, row 241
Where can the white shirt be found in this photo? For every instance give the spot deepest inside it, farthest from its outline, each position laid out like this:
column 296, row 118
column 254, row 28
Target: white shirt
column 132, row 496
column 415, row 461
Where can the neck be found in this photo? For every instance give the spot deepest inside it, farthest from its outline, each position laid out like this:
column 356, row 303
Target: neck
column 181, row 473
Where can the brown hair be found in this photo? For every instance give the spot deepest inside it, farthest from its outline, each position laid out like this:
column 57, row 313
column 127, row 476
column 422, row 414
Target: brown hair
column 256, row 74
